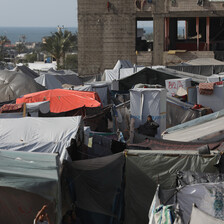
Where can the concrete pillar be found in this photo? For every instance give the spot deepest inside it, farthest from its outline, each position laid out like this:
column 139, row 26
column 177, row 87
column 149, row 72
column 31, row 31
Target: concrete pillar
column 207, row 33
column 197, row 31
column 159, row 39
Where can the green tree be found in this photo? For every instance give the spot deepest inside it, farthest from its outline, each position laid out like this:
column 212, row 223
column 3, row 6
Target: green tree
column 71, row 62
column 58, row 44
column 3, row 41
column 31, row 58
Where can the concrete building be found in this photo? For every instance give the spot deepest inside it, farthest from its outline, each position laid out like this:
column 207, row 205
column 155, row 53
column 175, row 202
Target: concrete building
column 107, row 32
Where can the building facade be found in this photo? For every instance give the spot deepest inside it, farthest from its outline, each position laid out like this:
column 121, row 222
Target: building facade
column 108, row 31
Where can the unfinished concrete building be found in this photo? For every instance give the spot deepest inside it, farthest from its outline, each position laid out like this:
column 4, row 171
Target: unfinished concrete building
column 108, row 31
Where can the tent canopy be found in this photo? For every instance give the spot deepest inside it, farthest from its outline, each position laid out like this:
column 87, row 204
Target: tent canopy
column 56, row 79
column 15, row 84
column 28, row 181
column 50, row 135
column 63, row 100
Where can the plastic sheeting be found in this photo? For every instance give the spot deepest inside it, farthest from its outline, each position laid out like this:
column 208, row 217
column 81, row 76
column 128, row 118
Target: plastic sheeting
column 179, row 112
column 97, row 183
column 197, row 132
column 62, row 100
column 208, row 197
column 214, row 101
column 147, row 101
column 56, row 79
column 199, row 217
column 15, row 84
column 172, row 85
column 28, row 181
column 152, row 169
column 50, row 135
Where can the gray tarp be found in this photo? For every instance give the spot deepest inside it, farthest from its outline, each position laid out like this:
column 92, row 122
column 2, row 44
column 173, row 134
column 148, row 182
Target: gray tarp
column 179, row 112
column 208, row 197
column 144, row 171
column 15, row 84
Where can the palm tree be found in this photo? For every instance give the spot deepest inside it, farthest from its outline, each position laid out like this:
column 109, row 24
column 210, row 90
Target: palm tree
column 58, row 44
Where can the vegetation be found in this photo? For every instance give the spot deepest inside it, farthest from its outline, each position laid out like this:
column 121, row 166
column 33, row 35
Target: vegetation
column 58, row 44
column 3, row 41
column 71, row 62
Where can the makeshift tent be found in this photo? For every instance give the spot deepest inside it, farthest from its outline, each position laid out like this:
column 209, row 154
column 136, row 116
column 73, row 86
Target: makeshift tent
column 201, row 66
column 28, row 109
column 149, row 101
column 29, row 181
column 24, row 69
column 56, row 79
column 15, row 84
column 178, row 112
column 62, row 100
column 193, row 131
column 51, row 135
column 97, row 184
column 151, row 168
column 155, row 76
column 102, row 88
column 200, row 217
column 215, row 101
column 172, row 85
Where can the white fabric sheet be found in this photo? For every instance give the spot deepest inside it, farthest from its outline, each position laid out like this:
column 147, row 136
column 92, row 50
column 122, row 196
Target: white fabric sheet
column 50, row 135
column 149, row 101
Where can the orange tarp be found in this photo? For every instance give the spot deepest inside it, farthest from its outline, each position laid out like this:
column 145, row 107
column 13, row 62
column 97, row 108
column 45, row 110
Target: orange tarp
column 62, row 100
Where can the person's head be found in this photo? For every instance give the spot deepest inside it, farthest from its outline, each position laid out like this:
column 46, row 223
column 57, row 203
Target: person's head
column 42, row 217
column 66, row 219
column 149, row 118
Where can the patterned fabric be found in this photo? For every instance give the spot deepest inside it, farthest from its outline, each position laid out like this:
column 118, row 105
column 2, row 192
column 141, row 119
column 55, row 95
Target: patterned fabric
column 206, row 88
column 11, row 108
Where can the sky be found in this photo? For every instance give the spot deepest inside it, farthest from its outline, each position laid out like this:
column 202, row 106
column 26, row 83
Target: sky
column 38, row 13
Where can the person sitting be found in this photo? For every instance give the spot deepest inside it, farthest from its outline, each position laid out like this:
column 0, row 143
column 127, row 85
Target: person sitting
column 149, row 128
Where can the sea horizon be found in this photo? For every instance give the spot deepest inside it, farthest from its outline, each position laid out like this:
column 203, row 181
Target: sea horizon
column 32, row 34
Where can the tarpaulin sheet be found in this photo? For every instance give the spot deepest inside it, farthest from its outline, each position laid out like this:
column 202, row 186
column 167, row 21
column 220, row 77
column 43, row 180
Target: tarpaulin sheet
column 97, row 182
column 179, row 112
column 56, row 79
column 152, row 169
column 28, row 181
column 51, row 135
column 149, row 101
column 15, row 84
column 197, row 132
column 62, row 100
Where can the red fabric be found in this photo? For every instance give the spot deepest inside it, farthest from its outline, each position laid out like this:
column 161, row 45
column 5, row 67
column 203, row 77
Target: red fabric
column 63, row 100
column 219, row 83
column 206, row 88
column 11, row 108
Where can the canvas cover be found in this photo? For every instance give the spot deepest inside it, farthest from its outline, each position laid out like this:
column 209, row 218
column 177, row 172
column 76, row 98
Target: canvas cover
column 14, row 84
column 31, row 134
column 28, row 181
column 62, row 100
column 56, row 79
column 148, row 101
column 172, row 85
column 97, row 183
column 151, row 169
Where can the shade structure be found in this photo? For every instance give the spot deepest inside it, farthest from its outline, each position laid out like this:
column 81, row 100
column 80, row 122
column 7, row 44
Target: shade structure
column 63, row 100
